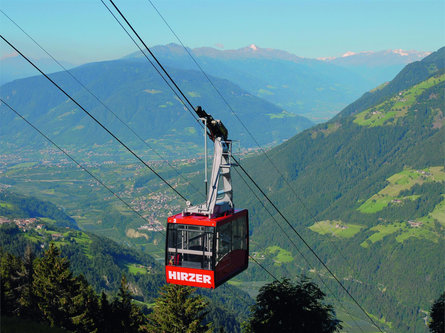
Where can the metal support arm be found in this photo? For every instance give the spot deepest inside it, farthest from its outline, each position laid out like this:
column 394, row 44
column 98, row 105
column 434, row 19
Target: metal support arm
column 219, row 201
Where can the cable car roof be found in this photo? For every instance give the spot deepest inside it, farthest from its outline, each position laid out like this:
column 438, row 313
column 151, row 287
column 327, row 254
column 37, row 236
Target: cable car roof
column 202, row 220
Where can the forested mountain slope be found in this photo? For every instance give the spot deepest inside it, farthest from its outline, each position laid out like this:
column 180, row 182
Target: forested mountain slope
column 101, row 261
column 13, row 205
column 369, row 196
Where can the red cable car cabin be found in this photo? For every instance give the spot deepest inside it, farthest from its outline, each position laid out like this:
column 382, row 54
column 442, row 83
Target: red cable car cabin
column 206, row 252
column 208, row 244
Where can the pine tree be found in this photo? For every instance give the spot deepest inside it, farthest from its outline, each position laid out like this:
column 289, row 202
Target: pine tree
column 55, row 288
column 177, row 310
column 105, row 320
column 9, row 268
column 128, row 316
column 86, row 305
column 27, row 299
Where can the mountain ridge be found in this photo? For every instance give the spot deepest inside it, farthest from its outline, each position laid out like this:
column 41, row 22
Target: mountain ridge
column 313, row 88
column 374, row 58
column 411, row 74
column 310, row 87
column 254, row 51
column 138, row 95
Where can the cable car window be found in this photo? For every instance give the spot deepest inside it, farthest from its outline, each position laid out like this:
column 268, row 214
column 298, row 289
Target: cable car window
column 190, row 246
column 223, row 241
column 239, row 233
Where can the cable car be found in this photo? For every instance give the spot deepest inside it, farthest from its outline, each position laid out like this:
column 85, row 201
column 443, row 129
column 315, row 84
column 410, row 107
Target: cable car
column 208, row 244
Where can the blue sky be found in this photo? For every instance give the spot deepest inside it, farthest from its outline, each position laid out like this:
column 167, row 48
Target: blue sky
column 82, row 30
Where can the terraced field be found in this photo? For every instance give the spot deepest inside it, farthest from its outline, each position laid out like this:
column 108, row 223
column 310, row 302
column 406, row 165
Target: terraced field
column 424, row 227
column 404, row 230
column 399, row 182
column 396, row 107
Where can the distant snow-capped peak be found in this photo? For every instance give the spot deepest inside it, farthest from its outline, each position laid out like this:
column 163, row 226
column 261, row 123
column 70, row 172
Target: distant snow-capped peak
column 369, row 58
column 400, row 52
column 348, row 54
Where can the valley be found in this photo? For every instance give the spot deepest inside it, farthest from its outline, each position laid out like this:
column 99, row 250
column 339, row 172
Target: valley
column 364, row 190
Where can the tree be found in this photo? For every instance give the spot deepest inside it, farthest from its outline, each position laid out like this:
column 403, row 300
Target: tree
column 177, row 310
column 85, row 307
column 27, row 299
column 128, row 316
column 9, row 268
column 105, row 319
column 287, row 307
column 55, row 288
column 437, row 324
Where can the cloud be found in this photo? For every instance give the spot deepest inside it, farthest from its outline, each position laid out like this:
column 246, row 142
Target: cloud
column 219, row 45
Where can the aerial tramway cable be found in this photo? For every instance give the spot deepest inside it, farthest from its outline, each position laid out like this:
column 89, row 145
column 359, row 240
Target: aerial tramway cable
column 161, row 176
column 69, row 156
column 104, row 185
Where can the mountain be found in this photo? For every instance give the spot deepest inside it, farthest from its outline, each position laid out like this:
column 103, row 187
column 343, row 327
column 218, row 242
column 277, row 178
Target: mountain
column 412, row 74
column 315, row 88
column 13, row 205
column 251, row 51
column 369, row 198
column 308, row 87
column 377, row 58
column 136, row 93
column 377, row 67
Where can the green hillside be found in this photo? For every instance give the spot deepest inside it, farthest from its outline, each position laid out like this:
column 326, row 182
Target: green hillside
column 100, row 260
column 13, row 205
column 396, row 107
column 411, row 75
column 372, row 183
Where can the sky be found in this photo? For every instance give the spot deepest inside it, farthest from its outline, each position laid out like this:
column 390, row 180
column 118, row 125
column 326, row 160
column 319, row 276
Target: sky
column 79, row 31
